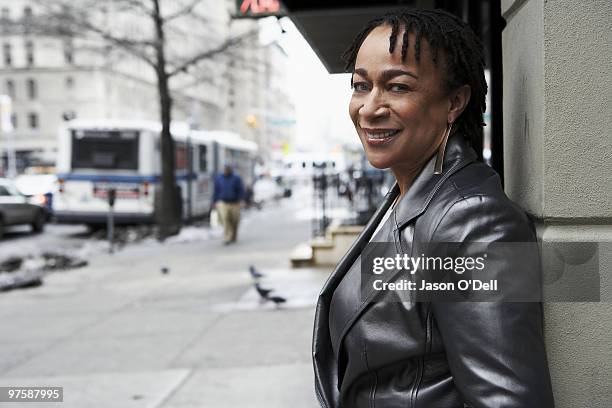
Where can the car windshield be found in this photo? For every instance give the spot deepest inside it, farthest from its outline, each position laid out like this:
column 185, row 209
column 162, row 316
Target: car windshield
column 108, row 149
column 7, row 188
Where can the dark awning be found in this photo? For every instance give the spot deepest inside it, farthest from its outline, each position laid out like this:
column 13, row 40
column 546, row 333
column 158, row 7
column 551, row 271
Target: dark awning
column 330, row 26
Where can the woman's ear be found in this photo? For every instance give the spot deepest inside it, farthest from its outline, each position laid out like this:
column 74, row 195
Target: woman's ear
column 459, row 99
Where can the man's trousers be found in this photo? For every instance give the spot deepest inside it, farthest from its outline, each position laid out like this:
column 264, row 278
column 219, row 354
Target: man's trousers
column 229, row 215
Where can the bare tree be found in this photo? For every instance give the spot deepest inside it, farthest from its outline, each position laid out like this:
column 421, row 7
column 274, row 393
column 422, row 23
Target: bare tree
column 85, row 18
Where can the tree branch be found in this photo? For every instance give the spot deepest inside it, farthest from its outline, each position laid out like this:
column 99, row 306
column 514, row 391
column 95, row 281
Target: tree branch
column 134, row 47
column 210, row 53
column 184, row 11
column 198, row 17
column 138, row 4
column 68, row 20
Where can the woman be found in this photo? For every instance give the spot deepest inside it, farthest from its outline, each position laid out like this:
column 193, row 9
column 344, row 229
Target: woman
column 417, row 105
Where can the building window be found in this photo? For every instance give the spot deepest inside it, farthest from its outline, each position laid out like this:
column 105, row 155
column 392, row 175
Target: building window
column 27, row 19
column 14, row 120
column 10, row 88
column 32, row 89
column 29, row 53
column 5, row 18
column 33, row 120
column 203, row 158
column 7, row 54
column 180, row 157
column 68, row 52
column 69, row 82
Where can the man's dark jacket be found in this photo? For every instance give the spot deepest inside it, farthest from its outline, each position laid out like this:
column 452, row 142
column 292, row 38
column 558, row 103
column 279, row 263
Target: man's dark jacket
column 228, row 188
column 370, row 353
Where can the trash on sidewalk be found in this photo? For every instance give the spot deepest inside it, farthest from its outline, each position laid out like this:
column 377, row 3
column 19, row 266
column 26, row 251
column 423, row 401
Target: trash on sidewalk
column 27, row 272
column 11, row 264
column 20, row 280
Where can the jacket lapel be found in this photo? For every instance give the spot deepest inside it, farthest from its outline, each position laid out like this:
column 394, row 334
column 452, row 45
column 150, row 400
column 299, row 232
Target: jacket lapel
column 458, row 154
column 325, row 366
column 362, row 239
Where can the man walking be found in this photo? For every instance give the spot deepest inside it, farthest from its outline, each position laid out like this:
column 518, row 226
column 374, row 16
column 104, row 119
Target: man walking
column 227, row 198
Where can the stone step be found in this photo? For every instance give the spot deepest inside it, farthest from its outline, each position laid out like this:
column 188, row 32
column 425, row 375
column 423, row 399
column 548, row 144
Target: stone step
column 301, row 256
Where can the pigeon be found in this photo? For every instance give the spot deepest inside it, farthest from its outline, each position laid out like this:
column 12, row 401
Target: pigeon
column 278, row 300
column 254, row 273
column 262, row 291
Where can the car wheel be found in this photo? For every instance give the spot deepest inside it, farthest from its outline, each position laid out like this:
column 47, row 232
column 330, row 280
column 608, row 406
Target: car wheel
column 39, row 223
column 1, row 227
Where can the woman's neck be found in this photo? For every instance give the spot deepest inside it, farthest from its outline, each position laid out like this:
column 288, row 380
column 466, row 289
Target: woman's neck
column 405, row 177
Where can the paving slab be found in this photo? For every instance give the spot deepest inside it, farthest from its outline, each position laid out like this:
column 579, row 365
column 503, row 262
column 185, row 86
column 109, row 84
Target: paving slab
column 146, row 389
column 105, row 354
column 15, row 354
column 275, row 386
column 141, row 321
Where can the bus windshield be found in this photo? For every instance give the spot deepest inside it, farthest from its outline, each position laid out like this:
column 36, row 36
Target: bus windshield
column 108, row 149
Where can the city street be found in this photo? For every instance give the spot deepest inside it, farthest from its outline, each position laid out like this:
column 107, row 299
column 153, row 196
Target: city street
column 122, row 333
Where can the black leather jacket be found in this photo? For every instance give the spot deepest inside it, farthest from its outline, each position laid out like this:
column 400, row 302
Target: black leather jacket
column 433, row 354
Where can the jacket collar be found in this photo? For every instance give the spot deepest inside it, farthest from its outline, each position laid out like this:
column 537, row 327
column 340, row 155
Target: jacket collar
column 458, row 154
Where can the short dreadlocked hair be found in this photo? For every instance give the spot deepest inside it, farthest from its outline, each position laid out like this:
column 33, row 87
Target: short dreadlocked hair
column 461, row 47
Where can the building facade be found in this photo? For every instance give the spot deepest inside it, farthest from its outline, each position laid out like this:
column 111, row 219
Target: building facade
column 54, row 78
column 258, row 103
column 557, row 146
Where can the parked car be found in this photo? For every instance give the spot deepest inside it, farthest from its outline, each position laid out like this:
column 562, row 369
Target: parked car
column 15, row 209
column 265, row 190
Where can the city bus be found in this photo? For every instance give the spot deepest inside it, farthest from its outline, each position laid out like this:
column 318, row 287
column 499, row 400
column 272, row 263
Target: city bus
column 95, row 156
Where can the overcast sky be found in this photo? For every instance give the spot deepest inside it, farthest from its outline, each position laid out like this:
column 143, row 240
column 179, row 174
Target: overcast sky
column 321, row 99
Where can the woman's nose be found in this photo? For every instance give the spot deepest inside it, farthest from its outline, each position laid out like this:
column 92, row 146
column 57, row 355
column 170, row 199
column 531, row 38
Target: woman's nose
column 374, row 107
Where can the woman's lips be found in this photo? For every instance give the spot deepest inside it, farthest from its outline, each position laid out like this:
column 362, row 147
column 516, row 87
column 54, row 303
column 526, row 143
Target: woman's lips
column 378, row 137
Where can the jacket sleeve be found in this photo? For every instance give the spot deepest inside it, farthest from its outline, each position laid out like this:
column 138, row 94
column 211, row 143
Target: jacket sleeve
column 495, row 350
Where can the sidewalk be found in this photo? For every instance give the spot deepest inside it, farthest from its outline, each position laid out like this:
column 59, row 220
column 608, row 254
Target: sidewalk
column 119, row 333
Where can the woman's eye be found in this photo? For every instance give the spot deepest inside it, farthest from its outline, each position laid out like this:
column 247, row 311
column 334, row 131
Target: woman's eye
column 360, row 86
column 399, row 88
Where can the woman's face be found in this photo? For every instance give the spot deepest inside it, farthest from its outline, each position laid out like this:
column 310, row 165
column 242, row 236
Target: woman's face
column 400, row 109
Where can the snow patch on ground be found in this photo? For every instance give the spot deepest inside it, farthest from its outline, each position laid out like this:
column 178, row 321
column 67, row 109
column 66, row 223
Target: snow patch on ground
column 195, row 234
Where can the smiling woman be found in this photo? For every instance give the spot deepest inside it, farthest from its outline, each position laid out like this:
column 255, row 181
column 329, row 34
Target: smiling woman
column 417, row 105
column 403, row 107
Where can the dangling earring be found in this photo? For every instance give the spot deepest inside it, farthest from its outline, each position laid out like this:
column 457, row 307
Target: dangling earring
column 440, row 157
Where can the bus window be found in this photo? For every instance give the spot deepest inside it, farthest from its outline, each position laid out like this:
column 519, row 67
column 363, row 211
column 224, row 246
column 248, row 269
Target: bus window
column 180, row 157
column 203, row 159
column 105, row 150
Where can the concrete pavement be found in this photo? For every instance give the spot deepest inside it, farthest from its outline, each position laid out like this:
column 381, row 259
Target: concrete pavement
column 119, row 333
